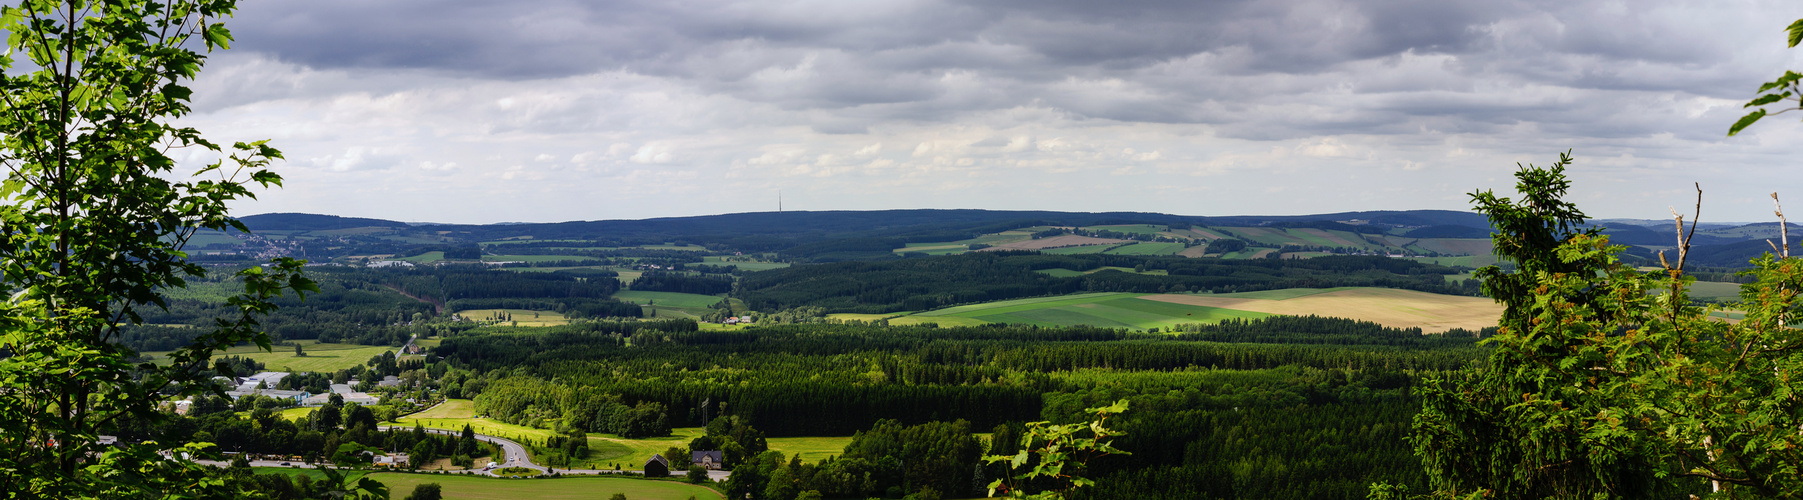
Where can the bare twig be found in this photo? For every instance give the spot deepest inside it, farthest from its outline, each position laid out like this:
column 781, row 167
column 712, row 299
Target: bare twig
column 1783, row 227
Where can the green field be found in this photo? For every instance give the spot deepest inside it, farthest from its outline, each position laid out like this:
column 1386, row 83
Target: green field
column 319, row 358
column 1148, row 249
column 671, row 299
column 1283, row 294
column 424, row 258
column 1077, row 250
column 534, row 258
column 605, row 448
column 467, row 487
column 1109, row 310
column 1130, row 228
column 748, row 266
column 1066, row 273
column 811, row 449
column 521, row 317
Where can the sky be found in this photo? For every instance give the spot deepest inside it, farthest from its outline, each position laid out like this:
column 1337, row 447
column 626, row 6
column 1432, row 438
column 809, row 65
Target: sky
column 482, row 111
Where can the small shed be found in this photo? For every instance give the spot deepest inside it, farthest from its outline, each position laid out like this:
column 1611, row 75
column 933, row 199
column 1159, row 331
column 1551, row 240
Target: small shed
column 657, row 466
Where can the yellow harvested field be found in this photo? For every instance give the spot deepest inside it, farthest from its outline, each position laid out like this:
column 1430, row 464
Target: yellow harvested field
column 1431, row 312
column 1069, row 240
column 1195, row 251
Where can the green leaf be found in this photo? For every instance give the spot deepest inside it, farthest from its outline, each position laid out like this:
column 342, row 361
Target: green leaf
column 1745, row 121
column 1796, row 32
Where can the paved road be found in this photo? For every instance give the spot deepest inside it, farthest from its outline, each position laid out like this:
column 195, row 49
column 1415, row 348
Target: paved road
column 514, row 455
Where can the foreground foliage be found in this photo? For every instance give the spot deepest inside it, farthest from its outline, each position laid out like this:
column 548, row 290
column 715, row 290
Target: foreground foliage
column 1601, row 388
column 94, row 228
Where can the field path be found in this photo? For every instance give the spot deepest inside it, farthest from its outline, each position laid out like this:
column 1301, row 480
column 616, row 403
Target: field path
column 1389, row 307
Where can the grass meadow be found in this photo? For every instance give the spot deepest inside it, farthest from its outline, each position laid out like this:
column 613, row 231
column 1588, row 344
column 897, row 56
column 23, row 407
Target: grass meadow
column 671, row 299
column 319, row 358
column 1110, row 310
column 604, row 449
column 1396, row 308
column 521, row 317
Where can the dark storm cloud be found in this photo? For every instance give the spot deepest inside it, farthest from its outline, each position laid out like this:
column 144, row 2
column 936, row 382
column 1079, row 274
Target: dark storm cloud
column 1269, row 68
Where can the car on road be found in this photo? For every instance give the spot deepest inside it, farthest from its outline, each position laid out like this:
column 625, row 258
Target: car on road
column 284, row 464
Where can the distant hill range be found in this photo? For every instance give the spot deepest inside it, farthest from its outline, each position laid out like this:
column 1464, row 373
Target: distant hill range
column 821, row 236
column 311, row 222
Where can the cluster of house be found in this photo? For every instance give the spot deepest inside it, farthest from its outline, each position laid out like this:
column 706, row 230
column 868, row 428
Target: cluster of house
column 736, row 320
column 261, row 383
column 657, row 465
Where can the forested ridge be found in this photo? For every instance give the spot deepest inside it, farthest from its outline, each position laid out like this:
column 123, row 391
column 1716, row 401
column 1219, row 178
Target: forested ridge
column 932, row 282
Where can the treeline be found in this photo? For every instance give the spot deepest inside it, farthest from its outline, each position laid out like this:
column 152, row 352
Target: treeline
column 347, row 308
column 933, row 282
column 682, row 283
column 1290, row 432
column 447, row 283
column 570, row 307
column 796, row 380
column 1313, row 329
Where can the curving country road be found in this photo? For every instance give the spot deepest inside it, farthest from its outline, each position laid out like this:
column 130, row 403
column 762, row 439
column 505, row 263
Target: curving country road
column 515, row 455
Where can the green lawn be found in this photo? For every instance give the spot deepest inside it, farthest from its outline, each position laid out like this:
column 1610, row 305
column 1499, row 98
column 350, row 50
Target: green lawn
column 671, row 299
column 468, row 487
column 1060, row 272
column 319, row 358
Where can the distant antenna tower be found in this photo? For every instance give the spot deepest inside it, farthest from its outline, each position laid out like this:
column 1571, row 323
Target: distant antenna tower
column 779, row 201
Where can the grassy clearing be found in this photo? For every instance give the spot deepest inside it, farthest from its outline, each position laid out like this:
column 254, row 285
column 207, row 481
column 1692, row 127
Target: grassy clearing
column 521, row 317
column 671, row 299
column 1066, row 273
column 811, row 449
column 319, row 358
column 295, row 414
column 603, row 448
column 1111, row 310
column 465, row 487
column 1129, row 228
column 424, row 258
column 1715, row 290
column 940, row 321
column 1078, row 250
column 534, row 258
column 315, row 474
column 1148, row 249
column 1395, row 308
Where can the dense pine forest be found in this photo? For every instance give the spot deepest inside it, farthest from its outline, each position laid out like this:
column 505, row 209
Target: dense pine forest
column 1269, row 417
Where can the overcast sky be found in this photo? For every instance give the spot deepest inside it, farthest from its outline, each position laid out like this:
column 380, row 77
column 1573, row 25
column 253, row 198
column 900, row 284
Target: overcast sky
column 480, row 111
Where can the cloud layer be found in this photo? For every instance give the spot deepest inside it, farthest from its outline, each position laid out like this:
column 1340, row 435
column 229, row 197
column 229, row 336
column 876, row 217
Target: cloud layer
column 547, row 110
